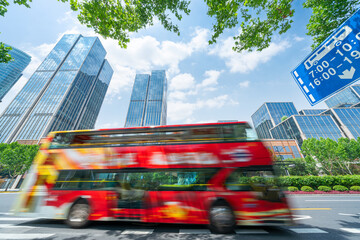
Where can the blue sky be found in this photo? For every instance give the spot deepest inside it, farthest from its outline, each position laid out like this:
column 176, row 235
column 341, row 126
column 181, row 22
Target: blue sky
column 206, row 83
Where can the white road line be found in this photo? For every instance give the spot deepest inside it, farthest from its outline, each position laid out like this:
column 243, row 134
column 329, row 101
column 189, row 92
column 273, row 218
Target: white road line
column 351, row 230
column 6, row 213
column 24, row 236
column 194, row 231
column 14, row 226
column 138, row 231
column 307, row 230
column 16, row 219
column 251, row 231
column 348, row 214
column 301, row 217
column 339, row 200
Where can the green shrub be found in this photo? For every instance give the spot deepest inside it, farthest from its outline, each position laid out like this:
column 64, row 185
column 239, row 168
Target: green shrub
column 340, row 188
column 293, row 189
column 307, row 189
column 324, row 188
column 317, row 181
column 355, row 188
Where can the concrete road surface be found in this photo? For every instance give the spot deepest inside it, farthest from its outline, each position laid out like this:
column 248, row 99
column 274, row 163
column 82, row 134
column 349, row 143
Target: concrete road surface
column 318, row 217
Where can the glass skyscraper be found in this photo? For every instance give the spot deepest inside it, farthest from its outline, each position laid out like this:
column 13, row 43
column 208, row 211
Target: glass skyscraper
column 65, row 92
column 301, row 127
column 11, row 72
column 269, row 115
column 348, row 119
column 148, row 105
column 346, row 98
column 311, row 111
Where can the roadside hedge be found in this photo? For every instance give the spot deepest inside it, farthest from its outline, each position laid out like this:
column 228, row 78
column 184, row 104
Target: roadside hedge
column 317, row 181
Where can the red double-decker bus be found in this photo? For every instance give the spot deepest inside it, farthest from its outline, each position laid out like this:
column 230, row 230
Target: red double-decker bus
column 217, row 174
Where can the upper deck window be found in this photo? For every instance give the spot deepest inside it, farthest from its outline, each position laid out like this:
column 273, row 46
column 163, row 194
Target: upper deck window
column 155, row 136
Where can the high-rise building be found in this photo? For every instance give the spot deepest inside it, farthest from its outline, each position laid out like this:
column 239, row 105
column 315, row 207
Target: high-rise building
column 65, row 92
column 311, row 111
column 11, row 72
column 269, row 115
column 148, row 105
column 301, row 127
column 346, row 98
column 348, row 119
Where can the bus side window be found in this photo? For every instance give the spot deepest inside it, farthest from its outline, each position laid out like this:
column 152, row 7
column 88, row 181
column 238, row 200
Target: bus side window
column 238, row 181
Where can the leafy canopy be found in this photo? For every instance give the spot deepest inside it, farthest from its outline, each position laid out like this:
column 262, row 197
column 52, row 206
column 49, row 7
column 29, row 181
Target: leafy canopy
column 16, row 159
column 258, row 20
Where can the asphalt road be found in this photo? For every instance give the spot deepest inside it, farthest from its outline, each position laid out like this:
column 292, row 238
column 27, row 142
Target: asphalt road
column 319, row 217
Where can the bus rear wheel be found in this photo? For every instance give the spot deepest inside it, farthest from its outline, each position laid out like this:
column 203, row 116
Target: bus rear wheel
column 222, row 219
column 79, row 215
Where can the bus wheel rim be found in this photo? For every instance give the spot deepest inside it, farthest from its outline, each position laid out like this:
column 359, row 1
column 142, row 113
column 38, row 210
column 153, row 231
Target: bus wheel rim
column 222, row 217
column 79, row 213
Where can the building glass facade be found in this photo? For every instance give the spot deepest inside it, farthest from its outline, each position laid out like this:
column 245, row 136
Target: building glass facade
column 346, row 98
column 311, row 111
column 348, row 119
column 11, row 72
column 301, row 127
column 58, row 95
column 283, row 149
column 148, row 100
column 269, row 115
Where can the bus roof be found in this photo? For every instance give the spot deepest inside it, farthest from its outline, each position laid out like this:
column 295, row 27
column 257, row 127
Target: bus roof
column 135, row 129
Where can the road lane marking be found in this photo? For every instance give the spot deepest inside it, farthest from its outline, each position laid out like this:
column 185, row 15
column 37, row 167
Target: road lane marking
column 301, row 217
column 351, row 230
column 307, row 230
column 138, row 231
column 251, row 231
column 310, row 209
column 14, row 226
column 16, row 219
column 348, row 214
column 194, row 231
column 24, row 236
column 332, row 200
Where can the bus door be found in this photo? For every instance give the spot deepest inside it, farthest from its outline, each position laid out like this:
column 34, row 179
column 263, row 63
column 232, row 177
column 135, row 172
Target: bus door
column 130, row 188
column 260, row 199
column 180, row 196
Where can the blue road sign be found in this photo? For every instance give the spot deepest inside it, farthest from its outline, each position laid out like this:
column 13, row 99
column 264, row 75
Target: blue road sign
column 332, row 66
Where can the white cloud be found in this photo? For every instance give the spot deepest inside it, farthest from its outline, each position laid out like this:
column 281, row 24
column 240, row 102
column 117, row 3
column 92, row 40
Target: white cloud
column 123, row 78
column 182, row 82
column 183, row 111
column 211, row 78
column 178, row 110
column 200, row 39
column 216, row 102
column 68, row 16
column 244, row 84
column 298, row 39
column 247, row 61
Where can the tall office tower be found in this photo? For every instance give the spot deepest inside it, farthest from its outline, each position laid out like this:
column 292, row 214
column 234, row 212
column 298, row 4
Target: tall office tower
column 148, row 100
column 269, row 115
column 65, row 92
column 11, row 72
column 346, row 98
column 301, row 127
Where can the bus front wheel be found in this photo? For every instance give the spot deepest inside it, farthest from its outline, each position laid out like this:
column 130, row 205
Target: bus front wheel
column 78, row 215
column 222, row 219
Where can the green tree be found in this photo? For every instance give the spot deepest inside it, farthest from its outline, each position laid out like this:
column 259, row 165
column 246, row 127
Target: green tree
column 16, row 159
column 284, row 118
column 334, row 157
column 259, row 20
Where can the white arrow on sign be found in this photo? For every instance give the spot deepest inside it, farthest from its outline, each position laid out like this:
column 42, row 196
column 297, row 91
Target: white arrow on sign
column 348, row 74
